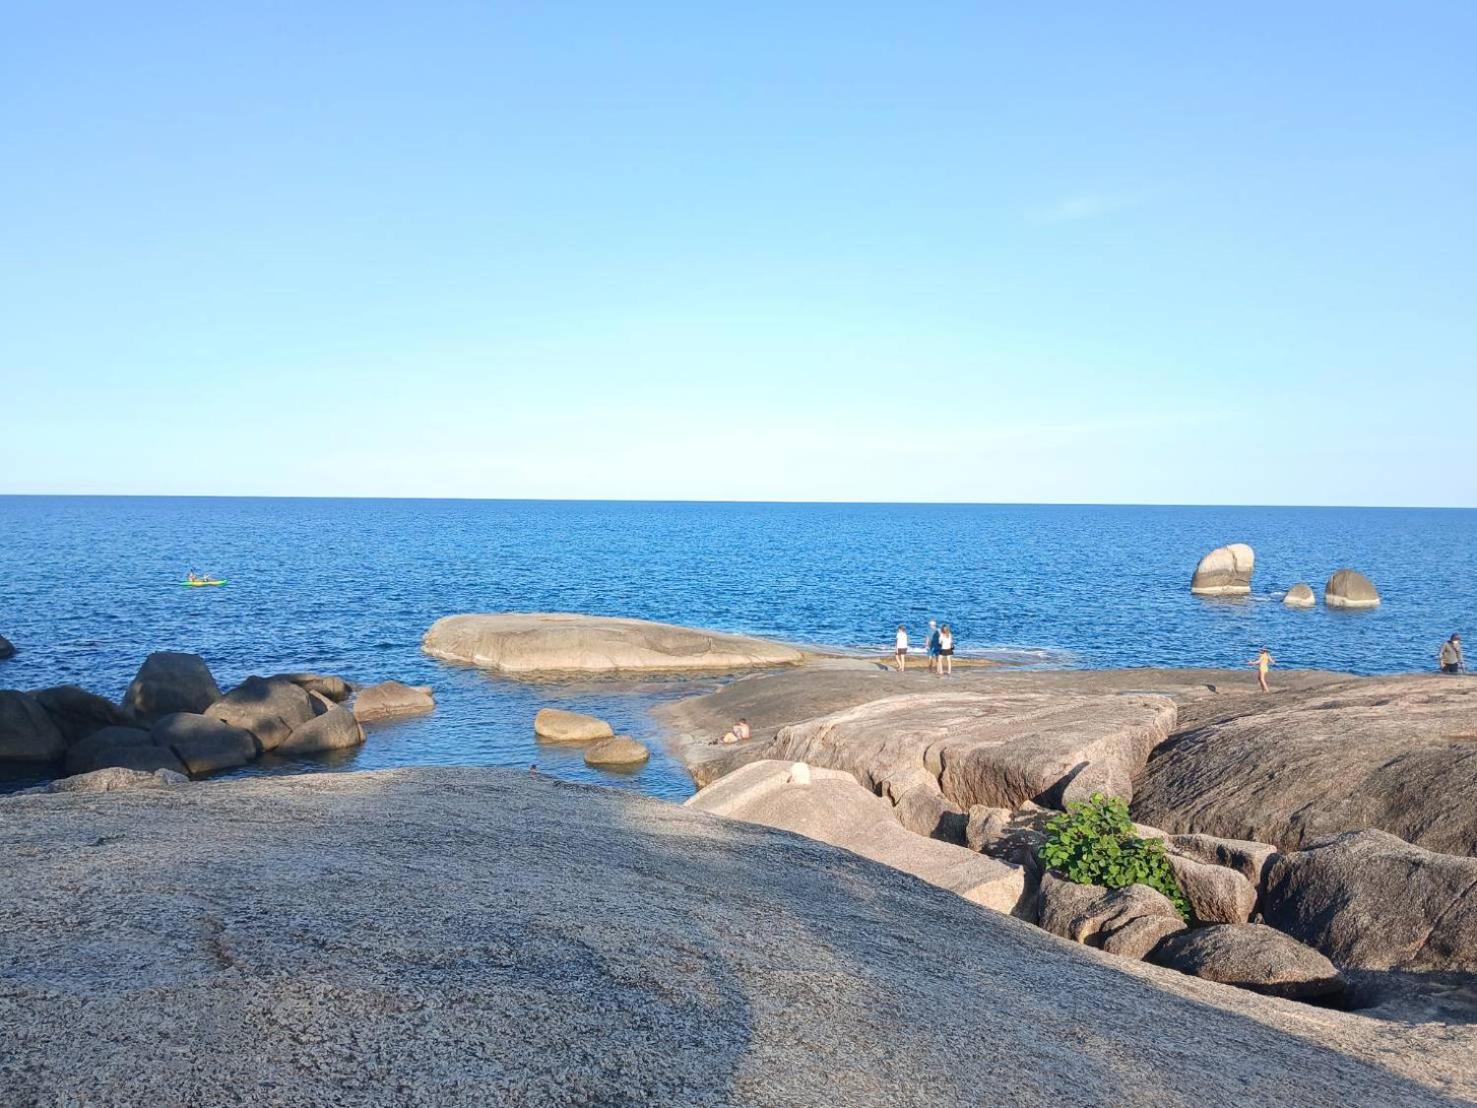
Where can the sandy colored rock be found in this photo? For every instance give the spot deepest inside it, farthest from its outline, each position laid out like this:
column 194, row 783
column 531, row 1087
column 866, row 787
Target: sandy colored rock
column 1251, row 956
column 620, row 750
column 294, row 937
column 392, row 700
column 1010, row 836
column 1093, row 915
column 1350, row 589
column 269, row 708
column 555, row 725
column 532, row 643
column 1225, row 571
column 27, row 731
column 1374, row 901
column 77, row 713
column 204, row 744
column 830, row 807
column 1250, row 859
column 1395, row 753
column 122, row 748
column 335, row 729
column 1300, row 596
column 1216, row 893
column 168, row 682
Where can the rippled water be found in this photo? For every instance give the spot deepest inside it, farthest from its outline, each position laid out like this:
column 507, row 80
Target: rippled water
column 88, row 586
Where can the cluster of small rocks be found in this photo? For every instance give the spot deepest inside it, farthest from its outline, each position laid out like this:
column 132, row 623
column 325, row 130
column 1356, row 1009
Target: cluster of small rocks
column 174, row 718
column 607, row 750
column 1227, row 570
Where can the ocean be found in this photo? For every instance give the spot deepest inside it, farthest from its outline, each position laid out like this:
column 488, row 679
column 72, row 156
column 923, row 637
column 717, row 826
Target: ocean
column 90, row 585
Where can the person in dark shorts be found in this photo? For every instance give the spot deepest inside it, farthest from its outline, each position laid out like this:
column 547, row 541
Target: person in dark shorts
column 1451, row 655
column 933, row 646
column 946, row 651
column 900, row 648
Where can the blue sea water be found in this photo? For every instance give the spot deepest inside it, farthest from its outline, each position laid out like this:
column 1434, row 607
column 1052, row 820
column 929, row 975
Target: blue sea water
column 88, row 586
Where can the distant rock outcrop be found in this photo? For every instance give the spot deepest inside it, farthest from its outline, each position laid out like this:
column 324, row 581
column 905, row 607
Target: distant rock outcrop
column 1350, row 589
column 519, row 643
column 169, row 682
column 1300, row 596
column 1225, row 571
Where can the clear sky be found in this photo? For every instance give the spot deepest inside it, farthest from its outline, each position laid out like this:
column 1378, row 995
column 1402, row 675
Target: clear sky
column 972, row 252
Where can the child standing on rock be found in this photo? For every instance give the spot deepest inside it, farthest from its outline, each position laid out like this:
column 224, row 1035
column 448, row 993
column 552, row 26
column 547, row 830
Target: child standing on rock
column 1263, row 662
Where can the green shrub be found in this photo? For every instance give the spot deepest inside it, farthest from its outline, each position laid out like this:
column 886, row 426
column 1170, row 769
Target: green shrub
column 1093, row 843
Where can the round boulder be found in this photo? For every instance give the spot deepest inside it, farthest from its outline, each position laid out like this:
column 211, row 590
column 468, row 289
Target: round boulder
column 555, row 725
column 335, row 729
column 1300, row 596
column 78, row 713
column 1349, row 588
column 168, row 682
column 121, row 747
column 1225, row 571
column 267, row 707
column 391, row 699
column 27, row 731
column 1250, row 956
column 204, row 744
column 620, row 750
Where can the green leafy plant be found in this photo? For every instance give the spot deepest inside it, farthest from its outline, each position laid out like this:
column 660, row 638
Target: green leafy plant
column 1094, row 843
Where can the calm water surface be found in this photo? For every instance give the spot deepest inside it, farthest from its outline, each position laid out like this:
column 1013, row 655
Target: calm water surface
column 88, row 586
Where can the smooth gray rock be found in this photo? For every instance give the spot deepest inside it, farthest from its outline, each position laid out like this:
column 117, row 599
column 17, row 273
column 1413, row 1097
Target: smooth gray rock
column 336, row 729
column 204, row 744
column 168, row 682
column 1293, row 768
column 523, row 643
column 555, row 725
column 27, row 731
column 335, row 689
column 1371, row 900
column 1225, row 571
column 392, row 700
column 77, row 713
column 1251, row 956
column 1300, row 596
column 122, row 748
column 1216, row 893
column 620, row 750
column 1350, row 589
column 268, row 708
column 114, row 779
column 1250, row 859
column 1093, row 915
column 471, row 937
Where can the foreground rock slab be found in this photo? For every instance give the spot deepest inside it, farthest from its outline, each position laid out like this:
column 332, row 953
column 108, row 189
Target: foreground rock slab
column 294, row 937
column 533, row 643
column 1398, row 754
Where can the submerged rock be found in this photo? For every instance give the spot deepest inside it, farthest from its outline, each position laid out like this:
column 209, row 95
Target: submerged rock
column 1251, row 956
column 529, row 643
column 555, row 725
column 621, row 750
column 1300, row 596
column 391, row 700
column 1350, row 589
column 168, row 682
column 268, row 708
column 1225, row 571
column 78, row 713
column 27, row 731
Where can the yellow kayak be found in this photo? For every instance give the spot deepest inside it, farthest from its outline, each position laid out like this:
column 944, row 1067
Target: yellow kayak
column 200, row 584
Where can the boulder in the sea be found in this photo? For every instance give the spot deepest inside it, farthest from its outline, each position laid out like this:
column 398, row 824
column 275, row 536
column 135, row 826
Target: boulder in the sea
column 1225, row 571
column 391, row 700
column 619, row 750
column 168, row 682
column 267, row 707
column 203, row 743
column 1300, row 596
column 7, row 648
column 1251, row 956
column 1373, row 901
column 1349, row 588
column 1127, row 921
column 335, row 688
column 555, row 725
column 77, row 713
column 114, row 779
column 543, row 642
column 27, row 731
column 336, row 729
column 121, row 748
column 832, row 808
column 1217, row 894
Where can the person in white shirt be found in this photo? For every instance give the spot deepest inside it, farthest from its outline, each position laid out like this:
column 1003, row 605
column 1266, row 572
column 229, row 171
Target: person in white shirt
column 946, row 651
column 900, row 651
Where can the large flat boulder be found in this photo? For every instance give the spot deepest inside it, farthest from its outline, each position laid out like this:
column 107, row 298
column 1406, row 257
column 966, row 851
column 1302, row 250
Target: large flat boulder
column 1373, row 901
column 995, row 749
column 519, row 643
column 392, row 700
column 268, row 707
column 27, row 731
column 170, row 681
column 1398, row 754
column 830, row 807
column 77, row 713
column 294, row 939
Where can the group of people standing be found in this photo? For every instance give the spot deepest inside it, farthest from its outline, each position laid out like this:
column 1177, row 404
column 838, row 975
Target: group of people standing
column 940, row 648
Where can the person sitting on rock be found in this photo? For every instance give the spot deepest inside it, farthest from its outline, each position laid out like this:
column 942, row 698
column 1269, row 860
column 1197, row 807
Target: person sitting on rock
column 1451, row 655
column 1263, row 662
column 741, row 730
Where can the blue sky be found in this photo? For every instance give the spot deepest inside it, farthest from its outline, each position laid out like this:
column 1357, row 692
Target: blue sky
column 968, row 252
